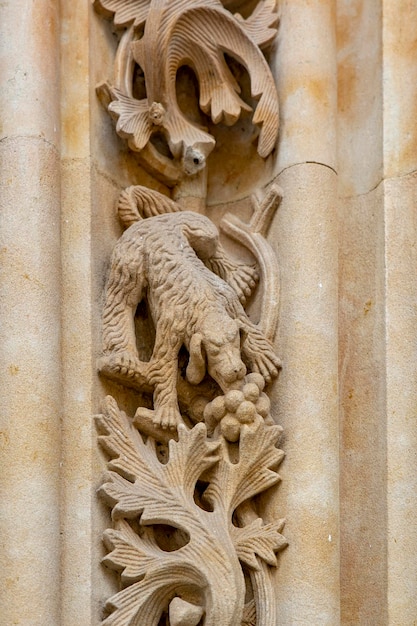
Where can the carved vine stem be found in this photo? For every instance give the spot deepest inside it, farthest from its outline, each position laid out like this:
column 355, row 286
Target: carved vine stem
column 188, row 542
column 252, row 236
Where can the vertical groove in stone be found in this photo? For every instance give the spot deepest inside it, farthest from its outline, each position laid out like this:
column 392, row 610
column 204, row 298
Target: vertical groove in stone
column 77, row 493
column 79, row 553
column 401, row 394
column 361, row 315
column 400, row 189
column 363, row 409
column 30, row 384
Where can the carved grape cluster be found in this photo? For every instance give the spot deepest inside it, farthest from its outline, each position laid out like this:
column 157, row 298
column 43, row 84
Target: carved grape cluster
column 238, row 407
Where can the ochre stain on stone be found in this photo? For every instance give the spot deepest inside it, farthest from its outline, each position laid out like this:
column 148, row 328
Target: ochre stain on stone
column 317, row 87
column 11, row 582
column 71, row 125
column 14, row 369
column 400, row 45
column 37, row 282
column 367, row 307
column 347, row 86
column 347, row 23
column 406, row 159
column 4, row 439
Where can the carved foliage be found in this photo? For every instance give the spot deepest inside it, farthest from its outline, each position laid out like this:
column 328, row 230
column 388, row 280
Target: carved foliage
column 144, row 493
column 204, row 492
column 164, row 35
column 185, row 470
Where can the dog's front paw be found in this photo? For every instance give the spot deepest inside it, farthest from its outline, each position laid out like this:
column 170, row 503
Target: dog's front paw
column 266, row 364
column 167, row 417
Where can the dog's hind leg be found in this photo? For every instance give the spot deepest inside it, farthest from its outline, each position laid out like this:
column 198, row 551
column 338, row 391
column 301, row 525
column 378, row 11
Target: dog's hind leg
column 124, row 291
column 162, row 372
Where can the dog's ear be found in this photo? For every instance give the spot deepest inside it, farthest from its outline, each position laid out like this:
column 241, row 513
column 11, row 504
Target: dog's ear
column 196, row 368
column 243, row 333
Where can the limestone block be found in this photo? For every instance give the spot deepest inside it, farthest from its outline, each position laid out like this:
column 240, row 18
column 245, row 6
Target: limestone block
column 305, row 396
column 399, row 95
column 29, row 70
column 305, row 70
column 30, row 398
column 362, row 409
column 401, row 396
column 360, row 119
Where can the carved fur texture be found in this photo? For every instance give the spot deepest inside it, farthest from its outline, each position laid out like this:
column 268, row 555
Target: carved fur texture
column 164, row 259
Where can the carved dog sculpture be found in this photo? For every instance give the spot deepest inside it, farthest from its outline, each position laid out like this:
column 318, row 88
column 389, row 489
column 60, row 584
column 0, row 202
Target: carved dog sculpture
column 163, row 259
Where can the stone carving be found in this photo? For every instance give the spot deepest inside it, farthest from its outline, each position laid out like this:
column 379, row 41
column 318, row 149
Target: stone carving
column 163, row 35
column 188, row 540
column 184, row 527
column 168, row 257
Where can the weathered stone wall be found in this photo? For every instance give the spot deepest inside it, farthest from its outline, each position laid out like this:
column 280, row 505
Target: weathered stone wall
column 345, row 236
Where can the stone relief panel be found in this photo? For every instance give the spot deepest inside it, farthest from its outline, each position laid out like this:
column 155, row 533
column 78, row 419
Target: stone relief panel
column 160, row 38
column 185, row 470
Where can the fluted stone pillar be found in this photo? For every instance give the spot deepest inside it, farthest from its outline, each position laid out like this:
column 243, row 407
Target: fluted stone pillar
column 30, row 284
column 400, row 202
column 345, row 235
column 305, row 237
column 377, row 149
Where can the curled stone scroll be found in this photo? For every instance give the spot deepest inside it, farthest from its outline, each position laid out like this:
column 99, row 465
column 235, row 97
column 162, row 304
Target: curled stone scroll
column 188, row 541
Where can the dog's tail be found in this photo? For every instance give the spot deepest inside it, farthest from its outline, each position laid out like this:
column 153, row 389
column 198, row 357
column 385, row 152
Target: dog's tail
column 137, row 202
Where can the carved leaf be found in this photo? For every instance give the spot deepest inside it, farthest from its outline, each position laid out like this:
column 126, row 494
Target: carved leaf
column 195, row 34
column 121, row 440
column 143, row 602
column 257, row 539
column 261, row 24
column 233, row 483
column 258, row 460
column 127, row 11
column 158, row 492
column 154, row 493
column 189, row 458
column 132, row 118
column 129, row 554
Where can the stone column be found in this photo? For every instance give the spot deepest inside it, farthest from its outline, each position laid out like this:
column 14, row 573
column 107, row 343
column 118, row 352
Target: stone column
column 362, row 314
column 400, row 187
column 30, row 384
column 378, row 157
column 77, row 494
column 305, row 237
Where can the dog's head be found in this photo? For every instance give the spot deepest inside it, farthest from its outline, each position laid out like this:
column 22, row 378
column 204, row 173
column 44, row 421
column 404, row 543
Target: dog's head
column 217, row 348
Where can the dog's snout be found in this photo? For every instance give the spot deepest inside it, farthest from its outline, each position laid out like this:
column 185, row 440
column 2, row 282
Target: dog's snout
column 240, row 371
column 235, row 373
